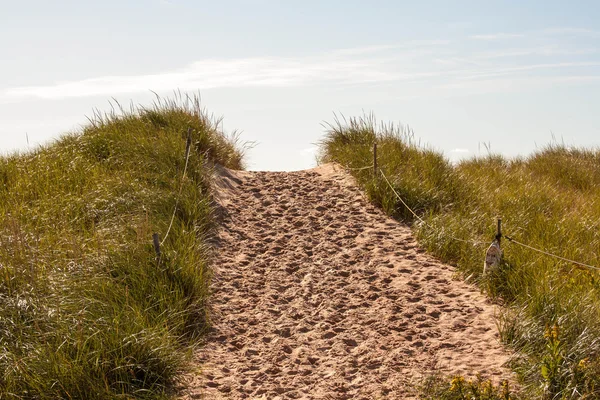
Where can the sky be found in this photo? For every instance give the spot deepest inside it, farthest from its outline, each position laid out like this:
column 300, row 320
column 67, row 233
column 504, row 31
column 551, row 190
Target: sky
column 512, row 76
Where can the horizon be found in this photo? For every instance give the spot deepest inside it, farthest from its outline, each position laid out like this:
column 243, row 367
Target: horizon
column 511, row 75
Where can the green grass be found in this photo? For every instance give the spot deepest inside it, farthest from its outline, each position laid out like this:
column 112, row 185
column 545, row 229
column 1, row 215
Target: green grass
column 87, row 310
column 549, row 200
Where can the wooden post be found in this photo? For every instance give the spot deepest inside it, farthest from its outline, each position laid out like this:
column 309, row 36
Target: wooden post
column 375, row 160
column 499, row 233
column 156, row 244
column 493, row 255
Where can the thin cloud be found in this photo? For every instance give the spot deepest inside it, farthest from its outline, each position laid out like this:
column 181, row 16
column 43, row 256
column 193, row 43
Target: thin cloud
column 370, row 64
column 365, row 50
column 222, row 73
column 497, row 72
column 414, row 67
column 537, row 33
column 497, row 36
column 535, row 51
column 509, row 84
column 412, row 44
column 571, row 31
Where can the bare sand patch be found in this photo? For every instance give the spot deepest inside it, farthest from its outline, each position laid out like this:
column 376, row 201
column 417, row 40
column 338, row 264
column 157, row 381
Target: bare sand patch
column 319, row 295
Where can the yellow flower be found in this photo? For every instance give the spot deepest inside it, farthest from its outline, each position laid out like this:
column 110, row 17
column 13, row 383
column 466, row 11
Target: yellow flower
column 555, row 332
column 583, row 363
column 488, row 387
column 552, row 333
column 457, row 382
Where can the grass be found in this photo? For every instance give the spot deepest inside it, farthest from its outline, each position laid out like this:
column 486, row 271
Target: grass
column 87, row 310
column 549, row 200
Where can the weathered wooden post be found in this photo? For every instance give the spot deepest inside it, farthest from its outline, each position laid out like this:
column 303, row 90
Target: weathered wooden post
column 493, row 255
column 156, row 245
column 499, row 233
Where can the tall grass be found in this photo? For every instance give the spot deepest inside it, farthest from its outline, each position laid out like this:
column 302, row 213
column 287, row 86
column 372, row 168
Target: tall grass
column 87, row 310
column 549, row 200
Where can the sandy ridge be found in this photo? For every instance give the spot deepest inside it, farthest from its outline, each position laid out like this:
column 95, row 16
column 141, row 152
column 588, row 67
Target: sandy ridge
column 319, row 295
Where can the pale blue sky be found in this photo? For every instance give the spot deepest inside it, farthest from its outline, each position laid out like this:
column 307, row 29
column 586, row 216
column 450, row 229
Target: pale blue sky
column 460, row 73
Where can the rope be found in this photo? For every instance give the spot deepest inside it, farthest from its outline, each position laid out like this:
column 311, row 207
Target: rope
column 360, row 169
column 550, row 254
column 187, row 158
column 473, row 242
column 401, row 200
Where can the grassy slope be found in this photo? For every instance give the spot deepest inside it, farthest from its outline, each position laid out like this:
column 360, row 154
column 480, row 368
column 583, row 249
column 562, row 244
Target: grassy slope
column 87, row 311
column 550, row 200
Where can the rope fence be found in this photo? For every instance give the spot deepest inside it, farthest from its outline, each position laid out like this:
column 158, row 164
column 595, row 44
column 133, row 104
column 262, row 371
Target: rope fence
column 510, row 239
column 473, row 242
column 360, row 169
column 499, row 235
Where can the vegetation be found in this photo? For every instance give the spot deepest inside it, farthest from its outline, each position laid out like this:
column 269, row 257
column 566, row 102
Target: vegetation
column 549, row 200
column 87, row 309
column 458, row 388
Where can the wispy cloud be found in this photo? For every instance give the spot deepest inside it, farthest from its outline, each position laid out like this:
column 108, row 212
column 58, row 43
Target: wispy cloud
column 497, row 72
column 497, row 36
column 409, row 45
column 365, row 50
column 415, row 67
column 221, row 73
column 372, row 64
column 509, row 84
column 544, row 50
column 571, row 31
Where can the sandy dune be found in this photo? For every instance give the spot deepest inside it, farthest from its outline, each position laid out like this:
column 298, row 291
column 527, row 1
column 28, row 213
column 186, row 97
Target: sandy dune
column 319, row 295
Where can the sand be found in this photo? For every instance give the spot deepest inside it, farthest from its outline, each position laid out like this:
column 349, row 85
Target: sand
column 317, row 294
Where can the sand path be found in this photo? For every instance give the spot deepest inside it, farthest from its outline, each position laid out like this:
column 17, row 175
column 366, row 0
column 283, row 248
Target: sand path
column 319, row 295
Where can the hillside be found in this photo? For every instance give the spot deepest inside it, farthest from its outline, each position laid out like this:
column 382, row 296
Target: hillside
column 549, row 203
column 88, row 311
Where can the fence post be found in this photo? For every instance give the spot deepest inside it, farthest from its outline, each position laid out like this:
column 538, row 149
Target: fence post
column 375, row 160
column 499, row 233
column 493, row 255
column 156, row 245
